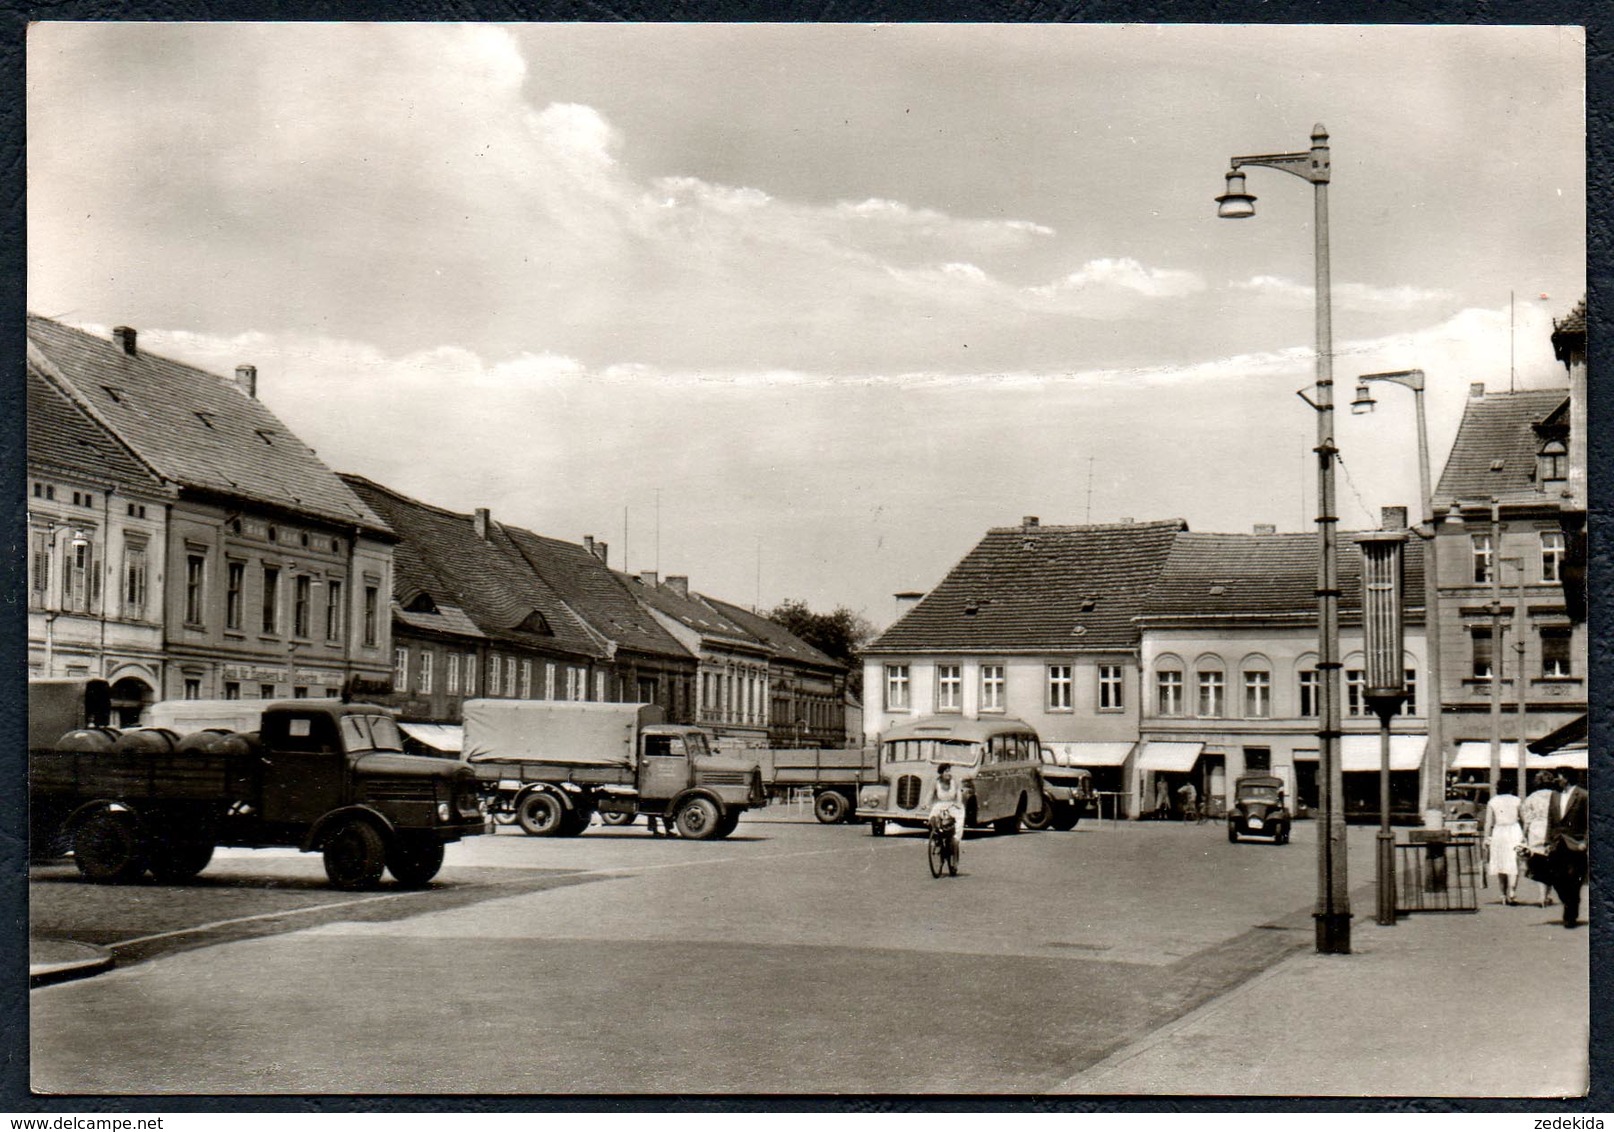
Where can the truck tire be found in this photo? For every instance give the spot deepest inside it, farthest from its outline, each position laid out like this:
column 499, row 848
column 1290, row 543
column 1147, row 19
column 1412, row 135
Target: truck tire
column 831, row 807
column 1041, row 816
column 176, row 857
column 109, row 847
column 698, row 819
column 413, row 861
column 618, row 819
column 1066, row 817
column 541, row 814
column 355, row 854
column 728, row 824
column 575, row 821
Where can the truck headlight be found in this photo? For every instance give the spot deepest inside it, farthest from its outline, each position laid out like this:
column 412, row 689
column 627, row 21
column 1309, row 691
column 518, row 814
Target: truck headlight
column 442, row 812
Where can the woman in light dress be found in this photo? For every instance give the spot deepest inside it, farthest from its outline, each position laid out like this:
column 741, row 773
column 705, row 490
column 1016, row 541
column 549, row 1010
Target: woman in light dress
column 1533, row 815
column 1503, row 835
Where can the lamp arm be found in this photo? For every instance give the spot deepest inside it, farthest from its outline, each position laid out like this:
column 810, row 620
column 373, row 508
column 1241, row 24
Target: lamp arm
column 1300, row 164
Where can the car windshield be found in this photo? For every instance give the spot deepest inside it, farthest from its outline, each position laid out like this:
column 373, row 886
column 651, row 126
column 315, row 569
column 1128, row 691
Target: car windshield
column 371, row 732
column 1268, row 794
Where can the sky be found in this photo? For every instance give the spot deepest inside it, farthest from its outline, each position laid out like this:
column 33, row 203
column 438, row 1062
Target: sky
column 799, row 311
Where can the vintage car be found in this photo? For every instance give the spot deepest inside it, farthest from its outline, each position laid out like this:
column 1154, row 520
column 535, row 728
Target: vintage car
column 1258, row 809
column 1067, row 793
column 1464, row 810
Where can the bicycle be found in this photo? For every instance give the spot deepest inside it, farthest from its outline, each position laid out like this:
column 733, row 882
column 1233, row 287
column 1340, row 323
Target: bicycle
column 943, row 846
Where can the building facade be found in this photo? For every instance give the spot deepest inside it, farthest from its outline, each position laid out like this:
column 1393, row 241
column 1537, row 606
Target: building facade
column 806, row 688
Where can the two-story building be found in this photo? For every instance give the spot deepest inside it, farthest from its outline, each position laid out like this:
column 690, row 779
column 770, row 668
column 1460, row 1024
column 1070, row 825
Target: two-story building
column 1229, row 660
column 1038, row 623
column 806, row 688
column 1501, row 549
column 97, row 527
column 273, row 574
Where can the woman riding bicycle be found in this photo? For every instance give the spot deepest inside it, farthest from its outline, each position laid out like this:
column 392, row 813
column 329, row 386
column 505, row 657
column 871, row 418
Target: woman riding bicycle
column 948, row 801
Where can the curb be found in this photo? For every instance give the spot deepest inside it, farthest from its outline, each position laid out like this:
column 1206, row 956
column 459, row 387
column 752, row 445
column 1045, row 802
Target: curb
column 55, row 961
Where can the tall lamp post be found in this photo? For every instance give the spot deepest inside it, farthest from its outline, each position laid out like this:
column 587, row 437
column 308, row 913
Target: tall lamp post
column 1332, row 913
column 1386, row 690
column 1434, row 766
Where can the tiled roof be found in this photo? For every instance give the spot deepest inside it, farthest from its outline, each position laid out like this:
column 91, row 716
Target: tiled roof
column 440, row 554
column 595, row 591
column 195, row 428
column 782, row 641
column 62, row 437
column 1041, row 588
column 691, row 611
column 447, row 619
column 1569, row 335
column 1494, row 455
column 1233, row 575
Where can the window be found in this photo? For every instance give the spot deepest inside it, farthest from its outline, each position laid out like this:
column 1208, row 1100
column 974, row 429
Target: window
column 134, row 579
column 896, row 687
column 1109, row 687
column 38, row 565
column 266, row 691
column 470, row 674
column 1168, row 686
column 300, row 692
column 1355, row 691
column 1555, row 652
column 400, row 669
column 599, row 687
column 1212, row 691
column 1481, row 644
column 991, row 687
column 1257, row 695
column 1059, row 687
column 1552, row 556
column 949, row 688
column 235, row 580
column 333, row 611
column 451, row 684
column 576, row 687
column 1481, row 551
column 1552, row 462
column 193, row 688
column 1310, row 693
column 80, row 579
column 526, row 679
column 425, row 674
column 372, row 619
column 232, row 690
column 1257, row 759
column 271, row 599
column 302, row 589
column 549, row 680
column 195, row 571
column 1410, row 706
column 495, row 673
column 510, row 677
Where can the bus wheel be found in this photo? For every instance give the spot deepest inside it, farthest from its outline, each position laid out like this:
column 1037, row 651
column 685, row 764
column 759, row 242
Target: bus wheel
column 1042, row 817
column 830, row 807
column 109, row 847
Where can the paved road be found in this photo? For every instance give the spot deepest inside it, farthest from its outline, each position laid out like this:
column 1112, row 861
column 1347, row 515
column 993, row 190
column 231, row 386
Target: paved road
column 793, row 957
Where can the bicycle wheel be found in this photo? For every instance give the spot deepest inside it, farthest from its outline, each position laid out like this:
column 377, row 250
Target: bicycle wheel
column 938, row 855
column 952, row 857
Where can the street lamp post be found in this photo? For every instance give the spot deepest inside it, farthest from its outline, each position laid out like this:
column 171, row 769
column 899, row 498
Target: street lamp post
column 1332, row 913
column 1385, row 691
column 1434, row 768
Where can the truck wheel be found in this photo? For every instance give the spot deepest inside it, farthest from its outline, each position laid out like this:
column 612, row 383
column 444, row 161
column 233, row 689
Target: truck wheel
column 618, row 819
column 175, row 858
column 698, row 819
column 728, row 823
column 109, row 847
column 355, row 855
column 540, row 814
column 575, row 821
column 1042, row 817
column 831, row 806
column 1065, row 818
column 413, row 861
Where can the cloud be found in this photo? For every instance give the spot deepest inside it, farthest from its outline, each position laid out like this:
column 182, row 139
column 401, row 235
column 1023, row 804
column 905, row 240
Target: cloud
column 1357, row 297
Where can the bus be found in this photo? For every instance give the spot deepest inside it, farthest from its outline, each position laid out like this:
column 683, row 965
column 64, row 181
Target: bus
column 996, row 761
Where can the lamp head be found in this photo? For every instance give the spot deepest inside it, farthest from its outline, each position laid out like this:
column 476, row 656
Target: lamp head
column 1235, row 204
column 1364, row 401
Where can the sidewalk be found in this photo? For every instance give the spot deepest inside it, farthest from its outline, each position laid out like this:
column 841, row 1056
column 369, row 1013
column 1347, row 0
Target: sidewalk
column 1493, row 1003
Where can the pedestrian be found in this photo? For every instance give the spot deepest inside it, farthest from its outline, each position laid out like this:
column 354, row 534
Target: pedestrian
column 1189, row 797
column 1162, row 800
column 1503, row 835
column 948, row 803
column 1533, row 815
column 1566, row 844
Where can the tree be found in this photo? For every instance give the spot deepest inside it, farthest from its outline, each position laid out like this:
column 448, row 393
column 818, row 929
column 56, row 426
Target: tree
column 838, row 635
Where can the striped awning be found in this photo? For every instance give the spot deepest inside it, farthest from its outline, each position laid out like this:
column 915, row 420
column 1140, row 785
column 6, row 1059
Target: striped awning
column 1175, row 757
column 1090, row 754
column 445, row 737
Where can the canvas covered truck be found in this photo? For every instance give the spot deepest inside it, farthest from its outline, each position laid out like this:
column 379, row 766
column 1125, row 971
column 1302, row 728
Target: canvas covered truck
column 554, row 764
column 319, row 775
column 833, row 774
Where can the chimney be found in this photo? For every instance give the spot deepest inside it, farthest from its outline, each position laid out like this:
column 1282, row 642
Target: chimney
column 588, row 544
column 1266, row 528
column 1476, row 391
column 246, row 377
column 125, row 337
column 483, row 521
column 603, row 551
column 907, row 600
column 1392, row 518
column 679, row 584
column 1029, row 522
column 648, row 577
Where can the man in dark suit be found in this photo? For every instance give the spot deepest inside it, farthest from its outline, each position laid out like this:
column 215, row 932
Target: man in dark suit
column 1566, row 845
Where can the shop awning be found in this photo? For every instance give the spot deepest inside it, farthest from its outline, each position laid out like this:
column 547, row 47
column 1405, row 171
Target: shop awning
column 1361, row 752
column 1477, row 756
column 1089, row 755
column 445, row 737
column 1176, row 757
column 1572, row 757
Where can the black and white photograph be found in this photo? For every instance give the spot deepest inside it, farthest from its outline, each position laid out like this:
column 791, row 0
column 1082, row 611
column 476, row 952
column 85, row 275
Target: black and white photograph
column 937, row 560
